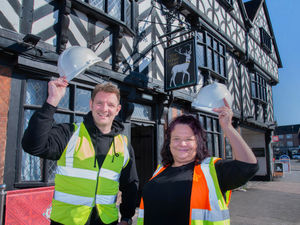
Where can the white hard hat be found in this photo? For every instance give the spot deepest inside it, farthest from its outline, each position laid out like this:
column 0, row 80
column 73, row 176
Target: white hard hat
column 75, row 60
column 211, row 96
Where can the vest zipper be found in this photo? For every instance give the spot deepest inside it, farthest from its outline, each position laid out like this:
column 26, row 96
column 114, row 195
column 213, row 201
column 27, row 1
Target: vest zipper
column 96, row 187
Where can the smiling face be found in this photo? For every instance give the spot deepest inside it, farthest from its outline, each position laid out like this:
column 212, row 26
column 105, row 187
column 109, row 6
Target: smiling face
column 183, row 145
column 105, row 107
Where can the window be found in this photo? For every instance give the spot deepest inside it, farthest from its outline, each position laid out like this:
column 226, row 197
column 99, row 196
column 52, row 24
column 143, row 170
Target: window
column 72, row 108
column 258, row 87
column 289, row 136
column 119, row 9
column 265, row 40
column 212, row 128
column 211, row 53
column 289, row 144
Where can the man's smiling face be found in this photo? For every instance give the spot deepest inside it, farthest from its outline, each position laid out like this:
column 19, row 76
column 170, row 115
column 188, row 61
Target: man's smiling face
column 105, row 107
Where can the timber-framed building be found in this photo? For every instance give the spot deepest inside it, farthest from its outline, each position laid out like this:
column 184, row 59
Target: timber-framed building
column 233, row 43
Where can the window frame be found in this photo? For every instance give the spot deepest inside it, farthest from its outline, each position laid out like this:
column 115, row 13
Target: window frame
column 217, row 50
column 129, row 22
column 265, row 40
column 214, row 130
column 259, row 83
column 44, row 163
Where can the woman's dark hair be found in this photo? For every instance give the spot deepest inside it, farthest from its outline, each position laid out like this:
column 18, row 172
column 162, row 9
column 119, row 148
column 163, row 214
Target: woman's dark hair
column 194, row 124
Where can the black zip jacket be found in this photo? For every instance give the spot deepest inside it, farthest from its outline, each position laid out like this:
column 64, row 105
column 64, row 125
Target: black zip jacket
column 46, row 139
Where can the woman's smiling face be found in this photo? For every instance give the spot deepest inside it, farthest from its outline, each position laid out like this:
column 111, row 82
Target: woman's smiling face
column 183, row 145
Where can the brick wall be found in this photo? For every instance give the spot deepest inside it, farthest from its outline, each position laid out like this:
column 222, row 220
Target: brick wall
column 5, row 81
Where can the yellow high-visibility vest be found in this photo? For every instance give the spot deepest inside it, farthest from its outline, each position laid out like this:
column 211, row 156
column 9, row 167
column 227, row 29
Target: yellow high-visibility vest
column 80, row 184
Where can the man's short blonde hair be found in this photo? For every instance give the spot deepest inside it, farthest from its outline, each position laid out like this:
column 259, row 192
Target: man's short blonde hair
column 107, row 87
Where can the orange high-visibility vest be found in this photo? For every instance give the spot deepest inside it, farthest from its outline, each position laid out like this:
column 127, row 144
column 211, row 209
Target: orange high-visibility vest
column 207, row 205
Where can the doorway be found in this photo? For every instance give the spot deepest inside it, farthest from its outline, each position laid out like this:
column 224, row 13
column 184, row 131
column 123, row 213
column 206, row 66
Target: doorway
column 142, row 141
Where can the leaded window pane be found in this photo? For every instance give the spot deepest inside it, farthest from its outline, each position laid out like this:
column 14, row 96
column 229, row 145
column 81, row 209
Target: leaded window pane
column 215, row 45
column 215, row 125
column 216, row 145
column 78, row 119
column 82, row 100
column 201, row 56
column 216, row 62
column 128, row 13
column 61, row 118
column 208, row 40
column 65, row 101
column 209, row 121
column 209, row 58
column 210, row 143
column 253, row 91
column 51, row 170
column 200, row 37
column 36, row 92
column 221, row 50
column 31, row 166
column 222, row 66
column 114, row 8
column 202, row 120
column 142, row 112
column 100, row 4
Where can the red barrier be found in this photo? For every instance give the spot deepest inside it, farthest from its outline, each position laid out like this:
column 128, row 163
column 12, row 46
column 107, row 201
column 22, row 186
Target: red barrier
column 29, row 206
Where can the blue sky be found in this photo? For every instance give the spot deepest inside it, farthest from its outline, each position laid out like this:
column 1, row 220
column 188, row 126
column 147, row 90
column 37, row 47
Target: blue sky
column 285, row 19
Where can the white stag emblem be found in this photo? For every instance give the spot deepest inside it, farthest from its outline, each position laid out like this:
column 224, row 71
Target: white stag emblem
column 181, row 68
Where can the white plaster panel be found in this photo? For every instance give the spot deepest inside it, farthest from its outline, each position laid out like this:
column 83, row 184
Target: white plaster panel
column 11, row 15
column 44, row 22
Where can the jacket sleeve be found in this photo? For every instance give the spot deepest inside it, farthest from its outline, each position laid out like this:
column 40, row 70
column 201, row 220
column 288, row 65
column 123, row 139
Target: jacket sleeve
column 129, row 186
column 233, row 173
column 43, row 137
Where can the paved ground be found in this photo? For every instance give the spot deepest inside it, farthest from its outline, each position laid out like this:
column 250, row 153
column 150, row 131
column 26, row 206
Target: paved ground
column 268, row 203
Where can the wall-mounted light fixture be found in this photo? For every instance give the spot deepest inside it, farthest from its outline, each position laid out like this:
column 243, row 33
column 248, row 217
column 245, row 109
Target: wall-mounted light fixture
column 31, row 39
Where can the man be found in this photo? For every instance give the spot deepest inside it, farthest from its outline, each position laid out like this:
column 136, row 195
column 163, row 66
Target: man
column 93, row 159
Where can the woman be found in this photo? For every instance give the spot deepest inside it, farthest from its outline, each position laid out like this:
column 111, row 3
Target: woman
column 190, row 187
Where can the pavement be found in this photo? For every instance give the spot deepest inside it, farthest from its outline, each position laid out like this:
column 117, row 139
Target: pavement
column 274, row 202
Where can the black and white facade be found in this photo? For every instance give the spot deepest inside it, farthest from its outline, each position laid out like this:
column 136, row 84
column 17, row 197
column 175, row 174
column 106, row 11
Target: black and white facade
column 234, row 45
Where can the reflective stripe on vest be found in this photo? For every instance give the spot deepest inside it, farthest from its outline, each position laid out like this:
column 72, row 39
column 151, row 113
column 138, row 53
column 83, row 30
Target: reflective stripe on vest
column 87, row 174
column 217, row 213
column 97, row 187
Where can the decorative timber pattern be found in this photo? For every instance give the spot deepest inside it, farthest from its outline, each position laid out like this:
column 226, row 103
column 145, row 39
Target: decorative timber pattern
column 79, row 33
column 230, row 24
column 102, row 42
column 159, row 30
column 64, row 26
column 144, row 58
column 268, row 62
column 233, row 83
column 10, row 17
column 45, row 19
column 78, row 29
column 248, row 106
column 270, row 109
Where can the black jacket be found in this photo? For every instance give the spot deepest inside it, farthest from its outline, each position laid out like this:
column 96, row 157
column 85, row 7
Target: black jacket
column 46, row 139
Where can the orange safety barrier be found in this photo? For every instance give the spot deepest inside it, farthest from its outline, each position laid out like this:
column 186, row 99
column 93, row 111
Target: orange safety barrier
column 29, row 206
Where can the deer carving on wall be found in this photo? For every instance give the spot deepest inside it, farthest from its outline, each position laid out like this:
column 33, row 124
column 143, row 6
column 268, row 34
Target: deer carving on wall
column 181, row 68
